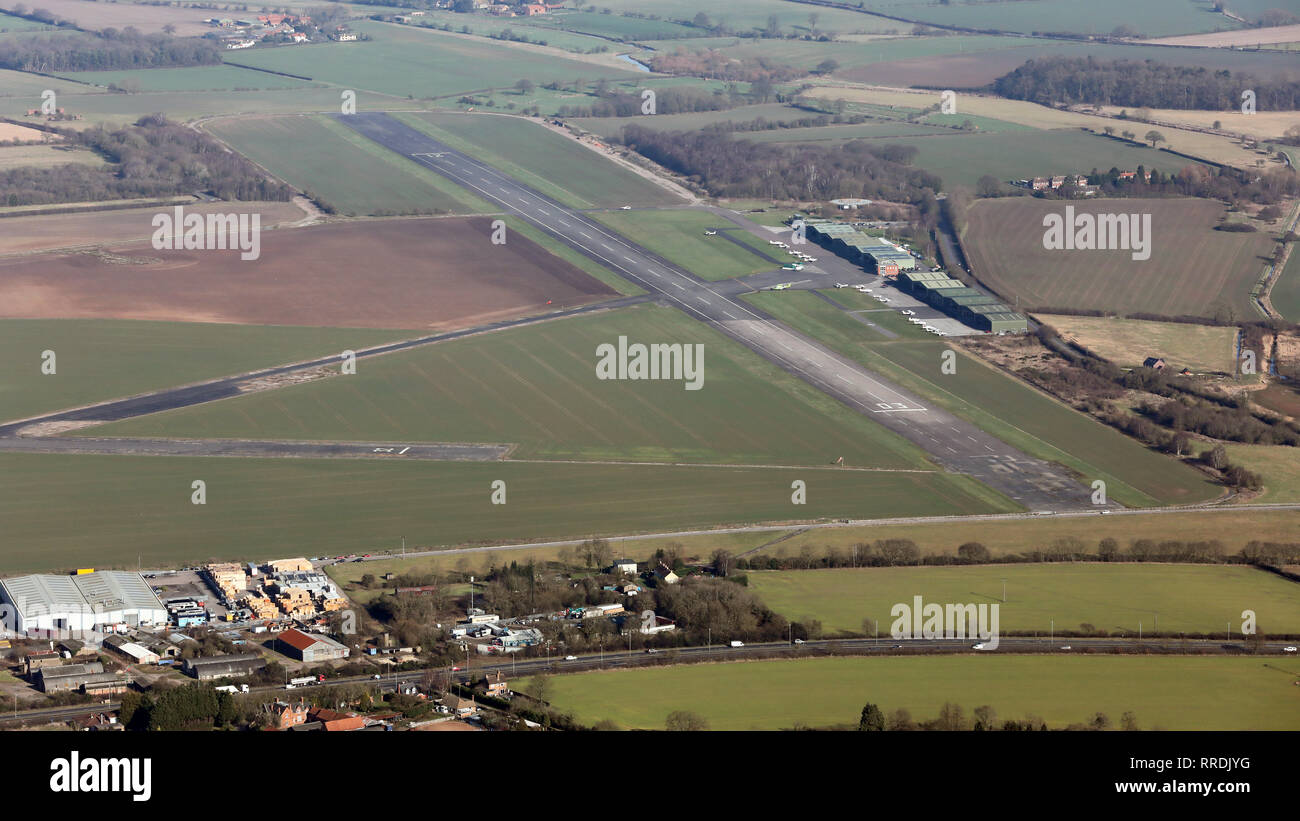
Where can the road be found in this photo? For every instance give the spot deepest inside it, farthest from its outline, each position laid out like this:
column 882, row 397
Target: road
column 615, row 658
column 952, row 442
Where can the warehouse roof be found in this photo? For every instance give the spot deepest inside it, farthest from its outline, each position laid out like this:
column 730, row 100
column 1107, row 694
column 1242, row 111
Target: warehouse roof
column 70, row 670
column 301, row 641
column 51, row 593
column 116, row 590
column 216, row 661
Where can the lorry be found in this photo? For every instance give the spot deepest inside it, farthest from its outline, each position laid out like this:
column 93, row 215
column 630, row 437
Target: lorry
column 737, row 644
column 302, row 681
column 231, row 688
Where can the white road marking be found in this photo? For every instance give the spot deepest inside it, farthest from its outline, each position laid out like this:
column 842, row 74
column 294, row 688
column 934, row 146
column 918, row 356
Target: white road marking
column 403, row 450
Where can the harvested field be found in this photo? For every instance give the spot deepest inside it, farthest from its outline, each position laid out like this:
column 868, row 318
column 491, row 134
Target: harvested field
column 47, row 232
column 1192, row 270
column 21, row 133
column 44, row 156
column 1127, row 342
column 188, row 20
column 1228, row 39
column 413, row 273
column 1262, row 125
column 1208, row 146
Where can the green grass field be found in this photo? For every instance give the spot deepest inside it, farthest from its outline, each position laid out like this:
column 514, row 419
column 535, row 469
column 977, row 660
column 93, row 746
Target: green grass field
column 999, row 404
column 1127, row 342
column 116, row 110
column 1110, row 597
column 63, row 511
column 841, row 133
column 353, row 174
column 753, row 14
column 1170, row 693
column 554, row 165
column 105, row 359
column 1153, row 18
column 961, row 159
column 1278, row 465
column 808, row 54
column 614, row 26
column 537, row 386
column 1233, row 527
column 678, row 236
column 29, row 86
column 1286, row 291
column 420, row 62
column 10, row 23
column 45, row 156
column 534, row 30
column 692, row 121
column 1192, row 270
column 196, row 78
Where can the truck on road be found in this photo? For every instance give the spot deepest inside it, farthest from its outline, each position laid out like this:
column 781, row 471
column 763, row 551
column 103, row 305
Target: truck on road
column 231, row 688
column 737, row 644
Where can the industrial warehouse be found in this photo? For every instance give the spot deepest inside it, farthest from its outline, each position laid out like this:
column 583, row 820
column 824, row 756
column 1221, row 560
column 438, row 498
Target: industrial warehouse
column 49, row 604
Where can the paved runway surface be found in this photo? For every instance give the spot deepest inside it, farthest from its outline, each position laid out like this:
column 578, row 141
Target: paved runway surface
column 952, row 442
column 252, row 449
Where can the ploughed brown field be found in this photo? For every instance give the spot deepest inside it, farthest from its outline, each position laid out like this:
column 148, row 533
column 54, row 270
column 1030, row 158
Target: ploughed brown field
column 401, row 273
column 45, row 232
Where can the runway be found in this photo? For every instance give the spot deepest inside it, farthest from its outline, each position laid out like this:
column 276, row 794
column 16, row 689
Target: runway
column 950, row 441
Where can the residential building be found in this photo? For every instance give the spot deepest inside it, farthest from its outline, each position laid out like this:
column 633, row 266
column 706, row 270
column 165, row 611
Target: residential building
column 665, row 574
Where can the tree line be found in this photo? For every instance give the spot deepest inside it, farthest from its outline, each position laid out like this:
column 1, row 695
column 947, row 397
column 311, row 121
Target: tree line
column 105, row 51
column 905, row 552
column 152, row 158
column 1143, row 84
column 738, row 168
column 953, row 718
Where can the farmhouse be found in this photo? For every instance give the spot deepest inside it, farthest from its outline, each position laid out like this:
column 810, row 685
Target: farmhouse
column 665, row 574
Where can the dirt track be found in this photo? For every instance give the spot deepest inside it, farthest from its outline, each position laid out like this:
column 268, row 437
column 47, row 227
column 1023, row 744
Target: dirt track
column 402, row 273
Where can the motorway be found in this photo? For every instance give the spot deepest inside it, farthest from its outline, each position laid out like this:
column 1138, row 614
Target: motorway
column 952, row 442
